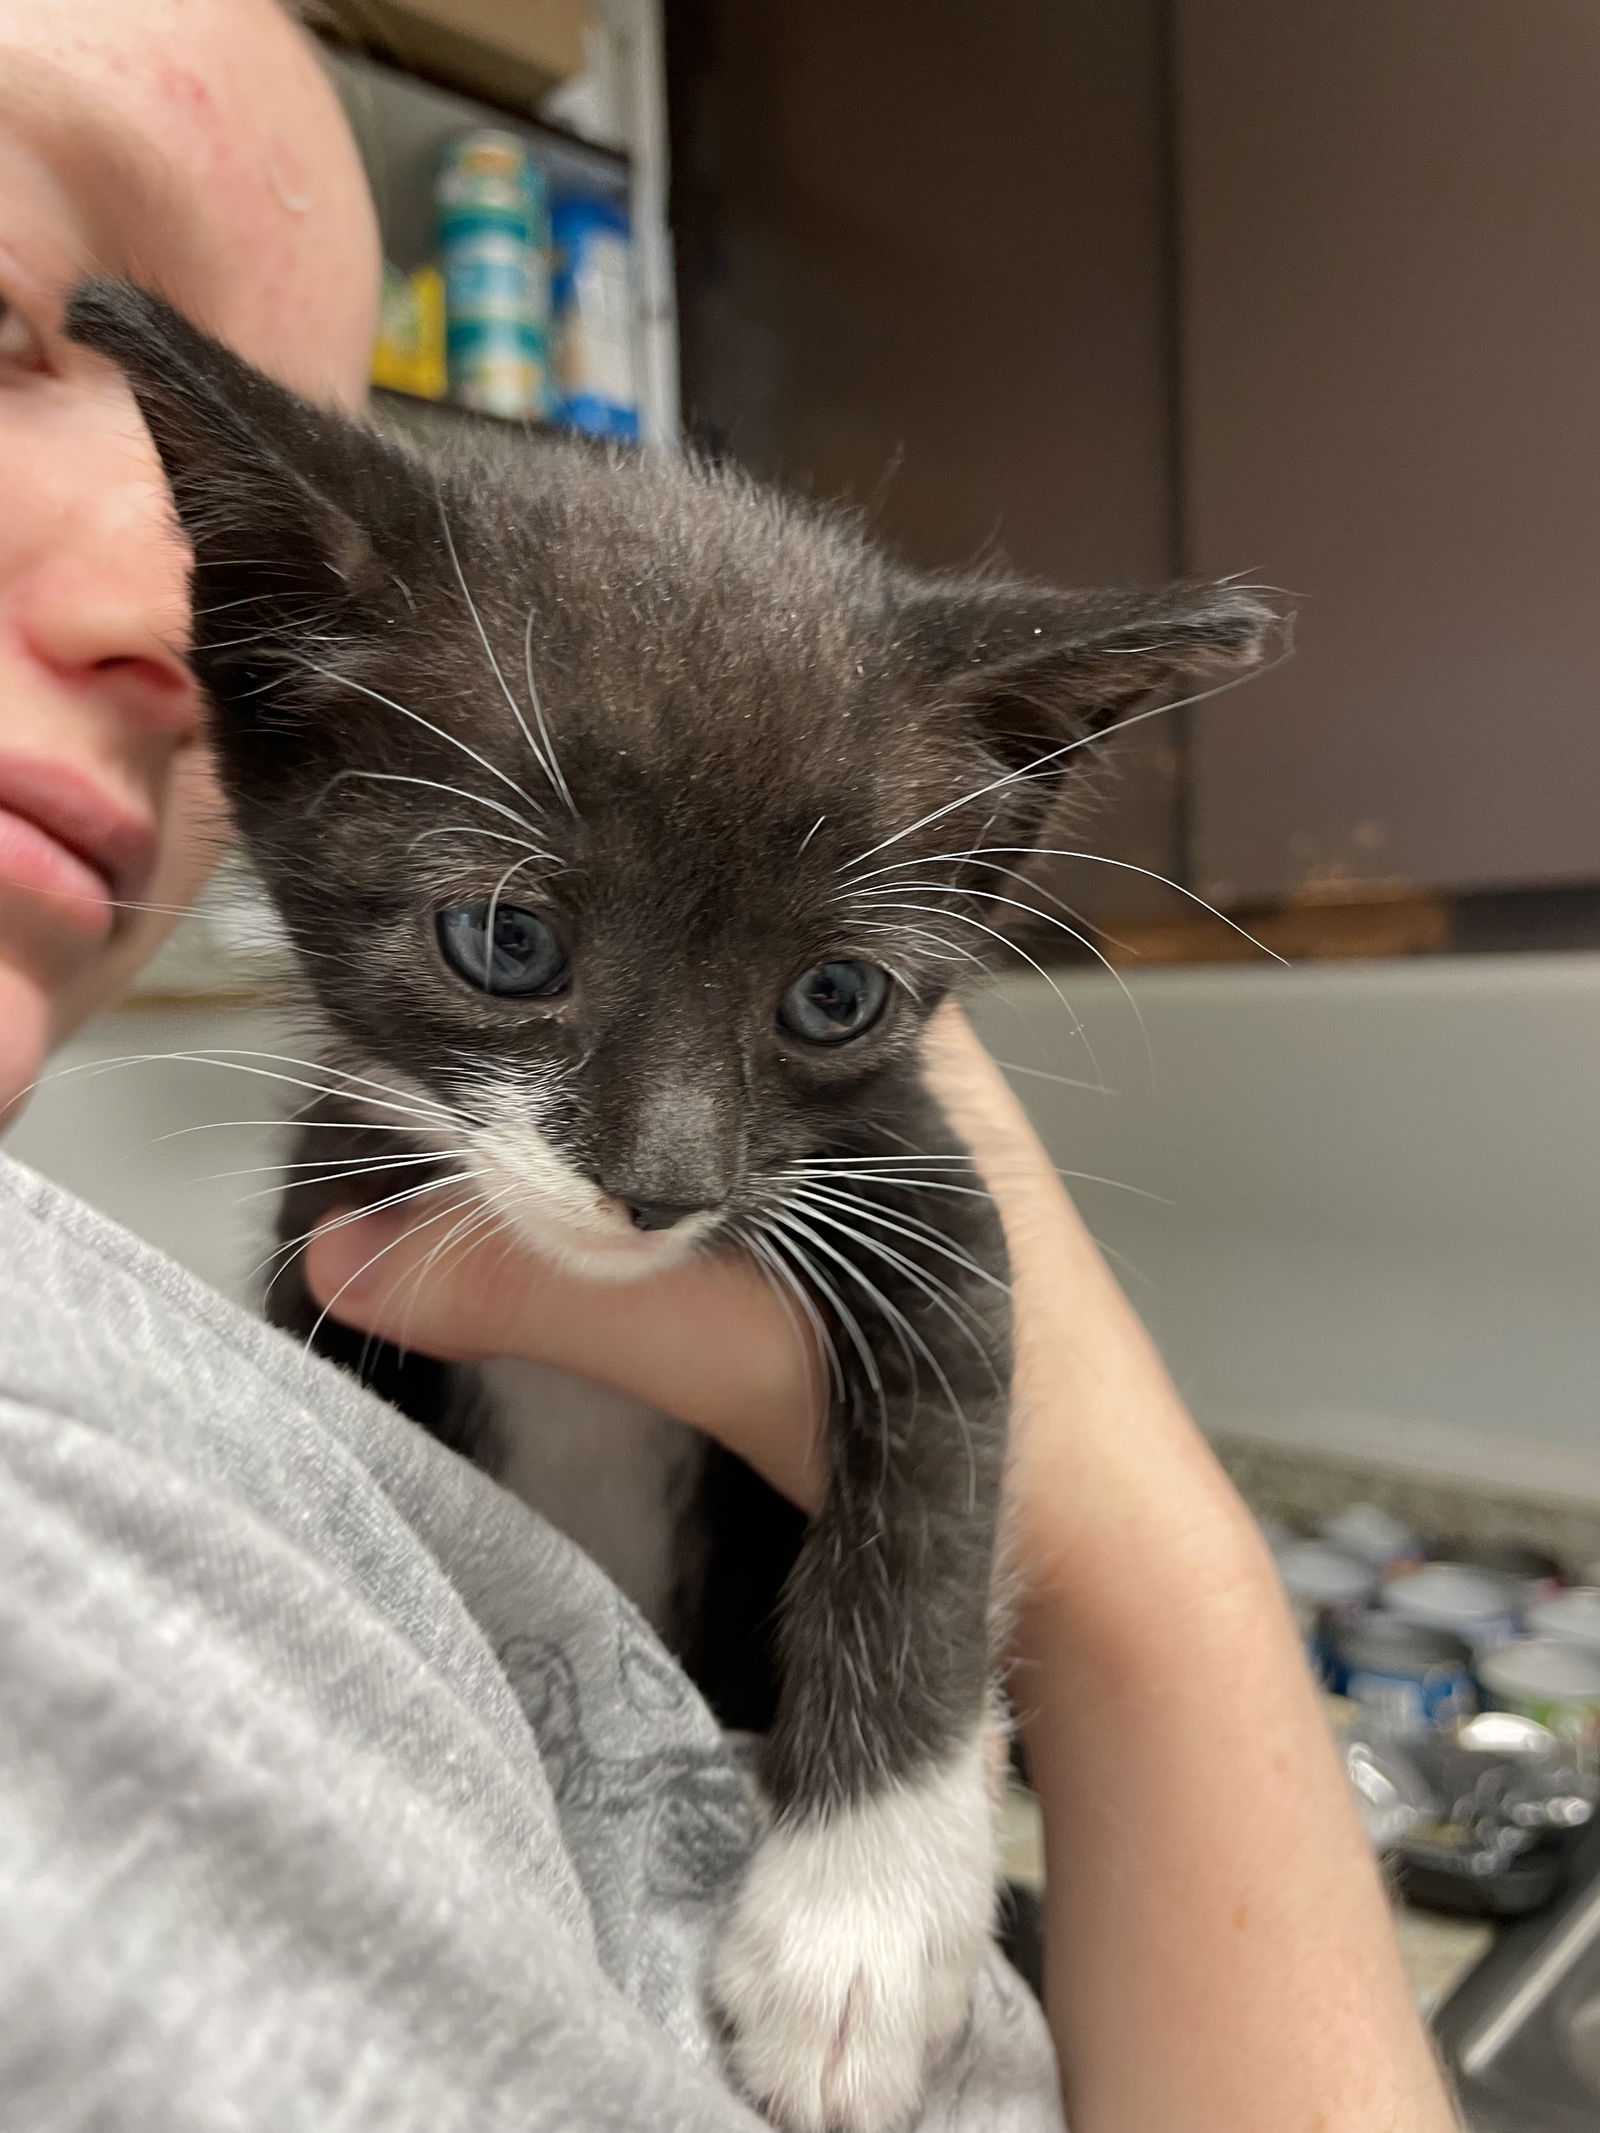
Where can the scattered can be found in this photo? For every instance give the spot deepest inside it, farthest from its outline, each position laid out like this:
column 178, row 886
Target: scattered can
column 1377, row 1536
column 1412, row 1681
column 1535, row 1572
column 1556, row 1683
column 1479, row 1607
column 593, row 299
column 1276, row 1534
column 1572, row 1617
column 494, row 246
column 1326, row 1588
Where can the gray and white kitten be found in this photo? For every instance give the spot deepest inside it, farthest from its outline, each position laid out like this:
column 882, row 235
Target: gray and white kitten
column 630, row 823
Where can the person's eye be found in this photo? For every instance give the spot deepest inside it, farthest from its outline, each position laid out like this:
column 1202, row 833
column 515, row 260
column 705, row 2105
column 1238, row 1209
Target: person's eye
column 21, row 347
column 510, row 952
column 834, row 1002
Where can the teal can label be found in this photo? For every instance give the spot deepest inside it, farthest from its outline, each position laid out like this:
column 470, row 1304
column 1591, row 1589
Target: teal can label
column 494, row 246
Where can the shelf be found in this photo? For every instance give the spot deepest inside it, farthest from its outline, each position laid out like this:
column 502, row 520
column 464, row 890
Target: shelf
column 513, row 52
column 427, row 420
column 402, row 127
column 417, row 417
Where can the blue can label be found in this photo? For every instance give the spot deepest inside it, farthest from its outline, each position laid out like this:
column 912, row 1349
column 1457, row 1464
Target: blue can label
column 1414, row 1703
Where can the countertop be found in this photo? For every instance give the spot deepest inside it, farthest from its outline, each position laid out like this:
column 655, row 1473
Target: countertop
column 1437, row 1950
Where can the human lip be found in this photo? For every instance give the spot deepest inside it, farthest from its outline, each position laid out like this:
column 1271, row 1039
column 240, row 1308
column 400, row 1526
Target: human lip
column 61, row 835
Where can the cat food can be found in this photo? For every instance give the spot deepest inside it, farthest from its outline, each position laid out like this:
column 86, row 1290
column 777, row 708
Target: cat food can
column 1556, row 1683
column 1413, row 1681
column 494, row 246
column 593, row 299
column 1474, row 1605
column 1572, row 1617
column 1379, row 1538
column 1326, row 1588
column 1535, row 1572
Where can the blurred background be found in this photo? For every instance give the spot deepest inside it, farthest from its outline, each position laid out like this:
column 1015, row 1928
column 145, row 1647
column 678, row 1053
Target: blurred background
column 1118, row 290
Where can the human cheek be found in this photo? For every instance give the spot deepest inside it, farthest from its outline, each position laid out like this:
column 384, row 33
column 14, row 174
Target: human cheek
column 194, row 834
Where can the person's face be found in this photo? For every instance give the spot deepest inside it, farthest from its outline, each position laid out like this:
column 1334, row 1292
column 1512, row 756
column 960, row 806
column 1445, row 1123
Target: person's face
column 192, row 145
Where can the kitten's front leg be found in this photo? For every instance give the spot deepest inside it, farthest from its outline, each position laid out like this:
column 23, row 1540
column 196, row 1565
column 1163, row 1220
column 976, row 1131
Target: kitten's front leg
column 857, row 1935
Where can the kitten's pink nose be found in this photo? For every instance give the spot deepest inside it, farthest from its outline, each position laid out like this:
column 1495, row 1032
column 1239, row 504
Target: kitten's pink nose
column 657, row 1214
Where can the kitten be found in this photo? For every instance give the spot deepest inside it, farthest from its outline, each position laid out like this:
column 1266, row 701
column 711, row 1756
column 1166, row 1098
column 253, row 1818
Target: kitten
column 630, row 824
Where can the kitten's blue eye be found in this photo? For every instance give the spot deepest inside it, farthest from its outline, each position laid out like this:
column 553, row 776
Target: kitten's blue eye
column 834, row 1002
column 524, row 960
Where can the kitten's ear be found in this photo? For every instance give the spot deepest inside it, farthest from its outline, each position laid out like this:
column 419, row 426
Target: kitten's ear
column 1038, row 675
column 274, row 494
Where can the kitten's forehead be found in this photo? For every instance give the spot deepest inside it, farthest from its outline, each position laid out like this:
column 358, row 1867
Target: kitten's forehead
column 715, row 668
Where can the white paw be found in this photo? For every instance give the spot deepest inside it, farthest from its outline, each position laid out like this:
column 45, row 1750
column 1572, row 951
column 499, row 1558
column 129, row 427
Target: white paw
column 854, row 1945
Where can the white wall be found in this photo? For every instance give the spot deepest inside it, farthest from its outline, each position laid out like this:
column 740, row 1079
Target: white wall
column 106, row 1131
column 1381, row 1226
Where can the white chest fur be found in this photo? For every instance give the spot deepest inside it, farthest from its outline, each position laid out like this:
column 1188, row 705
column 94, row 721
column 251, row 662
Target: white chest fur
column 609, row 1472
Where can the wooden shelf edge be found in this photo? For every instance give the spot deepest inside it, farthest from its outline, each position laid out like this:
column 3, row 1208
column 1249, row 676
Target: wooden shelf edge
column 1383, row 926
column 1380, row 924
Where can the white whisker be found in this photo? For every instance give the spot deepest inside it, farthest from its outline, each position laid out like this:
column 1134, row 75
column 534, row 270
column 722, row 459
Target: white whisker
column 777, row 1231
column 896, row 1319
column 1061, row 1081
column 965, row 918
column 790, row 1292
column 911, row 1227
column 289, row 1120
column 421, row 1108
column 993, row 896
column 334, row 1177
column 456, row 792
column 288, row 1248
column 921, row 1184
column 557, row 775
column 312, row 666
column 483, row 638
column 1126, row 866
column 474, row 829
column 1084, row 740
column 367, row 1264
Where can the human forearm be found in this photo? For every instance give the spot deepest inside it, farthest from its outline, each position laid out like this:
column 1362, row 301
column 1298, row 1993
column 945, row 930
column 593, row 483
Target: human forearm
column 1218, row 1950
column 1219, row 1956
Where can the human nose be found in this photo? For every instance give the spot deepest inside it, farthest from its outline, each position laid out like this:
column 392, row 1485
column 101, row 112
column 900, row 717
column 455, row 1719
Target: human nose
column 110, row 617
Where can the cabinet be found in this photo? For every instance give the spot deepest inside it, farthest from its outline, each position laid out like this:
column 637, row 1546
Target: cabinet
column 1303, row 290
column 1389, row 260
column 923, row 269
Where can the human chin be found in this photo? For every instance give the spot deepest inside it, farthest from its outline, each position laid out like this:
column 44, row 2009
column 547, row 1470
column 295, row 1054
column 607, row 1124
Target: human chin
column 25, row 1019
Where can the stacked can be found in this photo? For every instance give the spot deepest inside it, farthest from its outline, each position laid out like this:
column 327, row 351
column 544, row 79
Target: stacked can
column 494, row 245
column 593, row 303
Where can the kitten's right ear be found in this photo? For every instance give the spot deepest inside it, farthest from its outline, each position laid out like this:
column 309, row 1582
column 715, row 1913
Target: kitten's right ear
column 273, row 493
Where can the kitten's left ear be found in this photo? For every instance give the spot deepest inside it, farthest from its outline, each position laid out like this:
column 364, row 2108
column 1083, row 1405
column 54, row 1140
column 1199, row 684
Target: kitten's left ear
column 1037, row 675
column 274, row 493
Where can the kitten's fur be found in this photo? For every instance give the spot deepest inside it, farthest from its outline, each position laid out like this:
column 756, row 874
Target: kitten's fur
column 724, row 740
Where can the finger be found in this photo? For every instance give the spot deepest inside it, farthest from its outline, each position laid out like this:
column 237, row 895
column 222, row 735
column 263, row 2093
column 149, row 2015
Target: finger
column 420, row 1277
column 706, row 1341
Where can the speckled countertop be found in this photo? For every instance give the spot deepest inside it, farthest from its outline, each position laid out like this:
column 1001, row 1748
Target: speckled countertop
column 1436, row 1950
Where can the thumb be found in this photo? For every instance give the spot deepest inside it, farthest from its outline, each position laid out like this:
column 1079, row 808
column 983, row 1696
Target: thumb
column 425, row 1277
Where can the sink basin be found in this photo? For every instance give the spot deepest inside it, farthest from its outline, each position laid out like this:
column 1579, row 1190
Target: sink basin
column 1521, row 2033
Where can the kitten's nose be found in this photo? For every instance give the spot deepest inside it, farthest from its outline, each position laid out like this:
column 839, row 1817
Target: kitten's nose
column 657, row 1214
